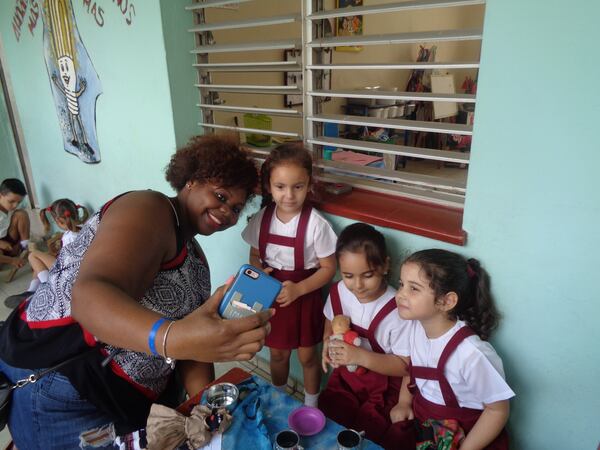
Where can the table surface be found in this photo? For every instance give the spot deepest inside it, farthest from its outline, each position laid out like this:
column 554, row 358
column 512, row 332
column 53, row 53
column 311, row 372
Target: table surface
column 262, row 413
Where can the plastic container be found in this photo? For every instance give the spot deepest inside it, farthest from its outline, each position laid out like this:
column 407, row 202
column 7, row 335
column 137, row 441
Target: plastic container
column 260, row 122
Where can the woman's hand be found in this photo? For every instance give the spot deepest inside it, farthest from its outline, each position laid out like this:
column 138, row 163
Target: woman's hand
column 402, row 411
column 289, row 293
column 204, row 336
column 343, row 354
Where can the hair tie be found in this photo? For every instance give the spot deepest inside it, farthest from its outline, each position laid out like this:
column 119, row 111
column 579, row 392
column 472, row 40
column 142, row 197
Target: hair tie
column 48, row 208
column 78, row 206
column 470, row 272
column 67, row 214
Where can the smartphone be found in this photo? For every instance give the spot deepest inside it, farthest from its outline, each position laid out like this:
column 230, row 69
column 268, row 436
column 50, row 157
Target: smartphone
column 252, row 291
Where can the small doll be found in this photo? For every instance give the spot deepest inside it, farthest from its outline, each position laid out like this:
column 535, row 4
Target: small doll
column 342, row 332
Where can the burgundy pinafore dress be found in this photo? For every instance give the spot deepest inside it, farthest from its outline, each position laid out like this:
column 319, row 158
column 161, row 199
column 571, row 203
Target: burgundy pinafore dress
column 301, row 323
column 363, row 402
column 424, row 409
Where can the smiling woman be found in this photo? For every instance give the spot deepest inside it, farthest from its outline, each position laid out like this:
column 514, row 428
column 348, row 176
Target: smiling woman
column 134, row 287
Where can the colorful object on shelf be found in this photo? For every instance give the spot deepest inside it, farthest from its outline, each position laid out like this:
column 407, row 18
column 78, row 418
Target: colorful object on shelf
column 258, row 122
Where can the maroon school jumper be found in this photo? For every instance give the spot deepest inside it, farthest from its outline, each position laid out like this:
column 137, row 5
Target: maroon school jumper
column 424, row 409
column 299, row 324
column 363, row 402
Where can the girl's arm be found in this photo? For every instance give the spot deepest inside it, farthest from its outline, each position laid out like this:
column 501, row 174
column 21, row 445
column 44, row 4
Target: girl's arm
column 255, row 258
column 488, row 426
column 383, row 363
column 328, row 331
column 291, row 291
column 403, row 409
column 195, row 375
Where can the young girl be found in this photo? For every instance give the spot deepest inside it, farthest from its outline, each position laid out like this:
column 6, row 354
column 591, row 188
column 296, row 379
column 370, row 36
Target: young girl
column 66, row 216
column 455, row 373
column 362, row 401
column 296, row 245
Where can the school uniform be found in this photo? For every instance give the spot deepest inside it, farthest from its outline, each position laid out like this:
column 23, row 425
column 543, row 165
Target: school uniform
column 364, row 401
column 454, row 376
column 293, row 250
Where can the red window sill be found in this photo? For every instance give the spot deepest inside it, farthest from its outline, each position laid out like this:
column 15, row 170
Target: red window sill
column 413, row 216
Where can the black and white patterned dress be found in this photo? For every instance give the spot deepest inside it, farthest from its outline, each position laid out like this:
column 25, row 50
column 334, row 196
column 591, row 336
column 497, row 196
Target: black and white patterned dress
column 41, row 332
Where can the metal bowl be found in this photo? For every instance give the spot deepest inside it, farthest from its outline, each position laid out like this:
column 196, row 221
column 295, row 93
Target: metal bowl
column 222, row 395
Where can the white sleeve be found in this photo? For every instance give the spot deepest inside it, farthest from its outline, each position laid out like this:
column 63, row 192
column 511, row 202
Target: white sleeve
column 328, row 309
column 252, row 230
column 397, row 336
column 325, row 238
column 485, row 378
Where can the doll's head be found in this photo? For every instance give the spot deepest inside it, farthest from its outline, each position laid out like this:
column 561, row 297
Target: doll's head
column 340, row 324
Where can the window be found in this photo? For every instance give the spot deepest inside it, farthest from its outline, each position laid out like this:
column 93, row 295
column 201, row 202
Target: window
column 388, row 88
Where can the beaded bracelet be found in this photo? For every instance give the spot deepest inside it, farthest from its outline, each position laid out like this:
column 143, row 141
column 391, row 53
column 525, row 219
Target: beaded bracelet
column 152, row 335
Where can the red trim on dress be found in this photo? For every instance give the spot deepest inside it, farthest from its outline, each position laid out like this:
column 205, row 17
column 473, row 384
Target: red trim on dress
column 177, row 261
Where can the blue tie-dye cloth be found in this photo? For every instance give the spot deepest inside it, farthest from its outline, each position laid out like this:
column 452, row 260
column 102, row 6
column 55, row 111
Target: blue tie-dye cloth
column 263, row 411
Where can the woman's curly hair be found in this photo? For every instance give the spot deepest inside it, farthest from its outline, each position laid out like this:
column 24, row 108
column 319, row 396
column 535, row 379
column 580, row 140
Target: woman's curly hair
column 214, row 159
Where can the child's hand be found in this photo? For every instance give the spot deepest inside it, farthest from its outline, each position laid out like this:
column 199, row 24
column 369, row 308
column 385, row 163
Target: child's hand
column 325, row 360
column 17, row 262
column 289, row 293
column 343, row 354
column 402, row 411
column 5, row 246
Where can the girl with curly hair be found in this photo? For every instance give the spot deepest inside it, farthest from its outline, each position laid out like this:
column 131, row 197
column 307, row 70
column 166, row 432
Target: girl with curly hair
column 456, row 379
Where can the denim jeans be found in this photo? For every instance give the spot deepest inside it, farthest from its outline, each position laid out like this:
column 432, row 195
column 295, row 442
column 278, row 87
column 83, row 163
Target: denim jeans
column 50, row 414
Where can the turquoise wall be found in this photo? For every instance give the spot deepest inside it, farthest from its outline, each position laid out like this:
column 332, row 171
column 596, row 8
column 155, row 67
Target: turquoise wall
column 178, row 43
column 133, row 116
column 9, row 161
column 532, row 207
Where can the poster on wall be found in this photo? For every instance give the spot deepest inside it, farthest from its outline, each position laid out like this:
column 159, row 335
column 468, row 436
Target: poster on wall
column 349, row 25
column 73, row 80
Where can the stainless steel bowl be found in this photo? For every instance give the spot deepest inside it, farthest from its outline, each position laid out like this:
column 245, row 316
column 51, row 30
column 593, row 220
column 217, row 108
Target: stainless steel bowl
column 222, row 395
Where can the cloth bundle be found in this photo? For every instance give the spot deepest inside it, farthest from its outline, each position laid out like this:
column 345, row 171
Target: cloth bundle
column 167, row 429
column 439, row 435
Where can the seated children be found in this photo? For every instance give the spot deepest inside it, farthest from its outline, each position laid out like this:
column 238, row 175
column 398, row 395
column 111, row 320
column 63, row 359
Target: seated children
column 457, row 384
column 14, row 223
column 354, row 398
column 66, row 216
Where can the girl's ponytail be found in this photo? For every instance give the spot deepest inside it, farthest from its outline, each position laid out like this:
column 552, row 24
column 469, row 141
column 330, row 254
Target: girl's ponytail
column 482, row 315
column 85, row 214
column 44, row 219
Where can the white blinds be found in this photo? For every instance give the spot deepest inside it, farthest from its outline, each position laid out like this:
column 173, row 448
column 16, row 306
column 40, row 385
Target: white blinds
column 347, row 92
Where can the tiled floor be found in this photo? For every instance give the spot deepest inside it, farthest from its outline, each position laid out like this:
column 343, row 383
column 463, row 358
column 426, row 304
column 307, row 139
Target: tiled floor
column 257, row 366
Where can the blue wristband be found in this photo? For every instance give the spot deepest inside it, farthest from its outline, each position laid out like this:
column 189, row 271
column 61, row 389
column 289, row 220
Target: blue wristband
column 152, row 335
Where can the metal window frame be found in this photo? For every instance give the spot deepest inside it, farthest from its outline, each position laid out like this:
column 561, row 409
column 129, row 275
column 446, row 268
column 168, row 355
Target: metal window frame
column 313, row 44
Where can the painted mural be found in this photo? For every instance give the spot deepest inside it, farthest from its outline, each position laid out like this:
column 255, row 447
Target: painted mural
column 74, row 82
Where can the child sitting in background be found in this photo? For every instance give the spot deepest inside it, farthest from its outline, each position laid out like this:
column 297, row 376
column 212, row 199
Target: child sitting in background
column 354, row 398
column 14, row 223
column 296, row 245
column 456, row 377
column 66, row 216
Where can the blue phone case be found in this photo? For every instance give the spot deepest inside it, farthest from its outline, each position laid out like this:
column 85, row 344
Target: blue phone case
column 251, row 292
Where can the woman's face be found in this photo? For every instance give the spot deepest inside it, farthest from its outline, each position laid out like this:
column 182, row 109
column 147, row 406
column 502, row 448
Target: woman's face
column 211, row 207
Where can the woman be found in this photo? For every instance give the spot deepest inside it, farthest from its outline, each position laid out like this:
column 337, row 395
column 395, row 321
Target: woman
column 134, row 264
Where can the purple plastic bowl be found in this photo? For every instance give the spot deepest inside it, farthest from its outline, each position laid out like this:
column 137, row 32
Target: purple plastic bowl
column 306, row 420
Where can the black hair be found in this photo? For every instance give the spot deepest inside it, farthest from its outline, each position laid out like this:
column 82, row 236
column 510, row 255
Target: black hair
column 361, row 237
column 450, row 272
column 288, row 153
column 13, row 185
